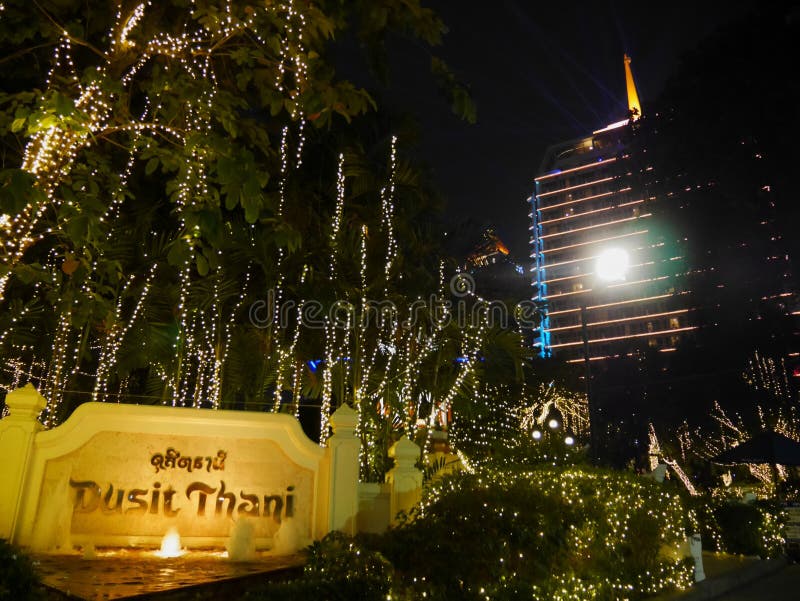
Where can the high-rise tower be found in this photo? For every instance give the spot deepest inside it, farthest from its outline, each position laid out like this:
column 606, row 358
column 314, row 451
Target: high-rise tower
column 606, row 277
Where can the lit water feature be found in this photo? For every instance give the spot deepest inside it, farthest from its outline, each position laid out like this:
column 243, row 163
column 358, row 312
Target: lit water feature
column 111, row 519
column 242, row 543
column 124, row 572
column 171, row 544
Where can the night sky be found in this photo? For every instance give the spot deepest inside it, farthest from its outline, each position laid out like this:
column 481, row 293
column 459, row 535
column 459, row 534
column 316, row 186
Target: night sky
column 540, row 73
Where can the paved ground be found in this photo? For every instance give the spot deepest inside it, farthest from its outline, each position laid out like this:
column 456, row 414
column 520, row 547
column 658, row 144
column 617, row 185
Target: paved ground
column 783, row 585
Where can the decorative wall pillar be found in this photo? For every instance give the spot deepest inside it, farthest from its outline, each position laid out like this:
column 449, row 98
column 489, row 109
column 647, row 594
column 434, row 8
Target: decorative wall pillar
column 696, row 550
column 342, row 452
column 17, row 432
column 405, row 479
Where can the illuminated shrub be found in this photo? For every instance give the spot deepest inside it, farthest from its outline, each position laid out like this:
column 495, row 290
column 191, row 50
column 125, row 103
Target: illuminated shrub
column 734, row 527
column 339, row 568
column 546, row 533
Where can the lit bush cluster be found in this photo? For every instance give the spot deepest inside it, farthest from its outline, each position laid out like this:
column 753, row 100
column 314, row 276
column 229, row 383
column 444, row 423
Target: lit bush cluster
column 339, row 568
column 730, row 526
column 547, row 533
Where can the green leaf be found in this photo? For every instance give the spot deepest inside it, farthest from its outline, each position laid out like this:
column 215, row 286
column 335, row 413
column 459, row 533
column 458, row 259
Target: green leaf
column 242, row 79
column 64, row 106
column 275, row 105
column 202, row 264
column 152, row 165
column 226, row 170
column 17, row 189
column 213, row 261
column 75, row 228
column 33, row 272
column 210, row 225
column 251, row 203
column 177, row 253
column 40, row 121
column 231, row 200
column 456, row 92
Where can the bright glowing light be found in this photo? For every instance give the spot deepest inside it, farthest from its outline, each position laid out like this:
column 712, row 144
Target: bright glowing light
column 612, row 264
column 620, row 320
column 625, row 302
column 611, row 126
column 612, row 338
column 576, row 186
column 559, row 172
column 550, row 251
column 634, row 105
column 553, row 424
column 596, row 225
column 569, row 441
column 171, row 545
column 536, row 435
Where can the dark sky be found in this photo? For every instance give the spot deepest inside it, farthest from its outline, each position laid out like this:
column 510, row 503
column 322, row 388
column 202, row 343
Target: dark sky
column 540, row 73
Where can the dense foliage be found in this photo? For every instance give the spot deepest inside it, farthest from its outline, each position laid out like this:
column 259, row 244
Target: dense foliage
column 187, row 186
column 18, row 578
column 545, row 533
column 339, row 568
column 730, row 526
column 166, row 166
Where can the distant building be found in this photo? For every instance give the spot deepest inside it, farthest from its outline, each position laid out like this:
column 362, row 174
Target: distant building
column 610, row 283
column 498, row 275
column 685, row 253
column 488, row 250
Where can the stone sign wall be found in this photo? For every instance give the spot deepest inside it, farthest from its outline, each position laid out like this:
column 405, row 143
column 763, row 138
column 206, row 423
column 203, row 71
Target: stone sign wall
column 137, row 486
column 126, row 475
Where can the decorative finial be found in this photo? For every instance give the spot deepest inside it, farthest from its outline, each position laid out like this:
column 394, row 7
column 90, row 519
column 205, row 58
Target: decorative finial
column 634, row 106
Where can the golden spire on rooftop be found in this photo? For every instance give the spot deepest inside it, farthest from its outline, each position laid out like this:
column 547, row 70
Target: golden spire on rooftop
column 634, row 106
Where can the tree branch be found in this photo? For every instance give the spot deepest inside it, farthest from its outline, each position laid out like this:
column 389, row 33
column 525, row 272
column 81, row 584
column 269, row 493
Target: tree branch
column 63, row 30
column 24, row 51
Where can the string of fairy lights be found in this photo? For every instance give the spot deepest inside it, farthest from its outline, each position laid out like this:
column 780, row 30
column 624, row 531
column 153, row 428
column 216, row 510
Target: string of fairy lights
column 379, row 370
column 336, row 221
column 387, row 208
column 291, row 52
column 115, row 337
column 51, row 152
column 777, row 411
column 604, row 506
column 657, row 456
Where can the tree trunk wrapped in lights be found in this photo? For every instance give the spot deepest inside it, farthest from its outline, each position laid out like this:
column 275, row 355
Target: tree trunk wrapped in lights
column 177, row 164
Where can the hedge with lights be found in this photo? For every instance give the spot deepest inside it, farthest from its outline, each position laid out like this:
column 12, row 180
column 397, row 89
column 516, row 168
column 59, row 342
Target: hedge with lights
column 546, row 533
column 730, row 526
column 339, row 568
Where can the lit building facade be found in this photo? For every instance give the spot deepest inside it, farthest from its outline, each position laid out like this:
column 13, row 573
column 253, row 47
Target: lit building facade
column 590, row 203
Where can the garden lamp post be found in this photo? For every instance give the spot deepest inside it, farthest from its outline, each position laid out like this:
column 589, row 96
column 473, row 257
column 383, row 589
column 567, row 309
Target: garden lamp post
column 553, row 428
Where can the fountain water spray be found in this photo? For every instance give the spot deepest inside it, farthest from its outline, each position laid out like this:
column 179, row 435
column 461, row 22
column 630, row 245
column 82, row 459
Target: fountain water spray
column 171, row 544
column 242, row 543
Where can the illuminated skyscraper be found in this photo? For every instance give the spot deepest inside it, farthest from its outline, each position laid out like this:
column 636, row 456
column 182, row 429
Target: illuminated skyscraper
column 602, row 268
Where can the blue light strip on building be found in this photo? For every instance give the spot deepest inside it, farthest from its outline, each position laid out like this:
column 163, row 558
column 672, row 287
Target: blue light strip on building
column 540, row 275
